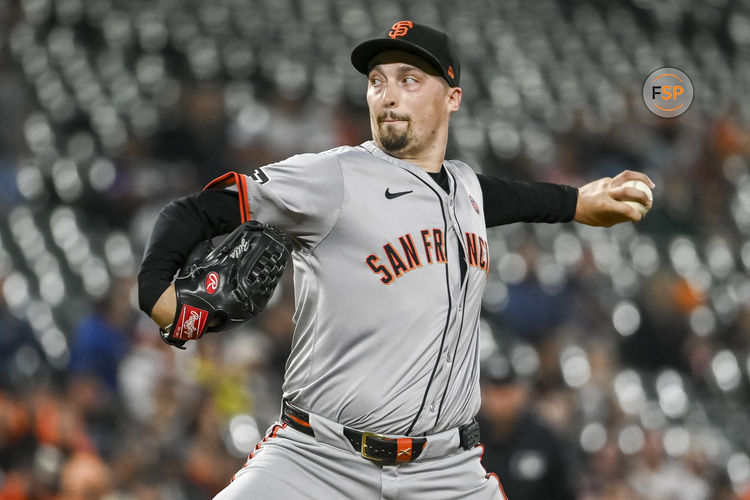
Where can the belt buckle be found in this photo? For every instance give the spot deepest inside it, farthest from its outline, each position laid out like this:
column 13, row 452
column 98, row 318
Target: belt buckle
column 365, row 436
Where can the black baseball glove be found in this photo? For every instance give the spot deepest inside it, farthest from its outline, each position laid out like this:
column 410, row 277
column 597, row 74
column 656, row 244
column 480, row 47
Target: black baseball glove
column 221, row 287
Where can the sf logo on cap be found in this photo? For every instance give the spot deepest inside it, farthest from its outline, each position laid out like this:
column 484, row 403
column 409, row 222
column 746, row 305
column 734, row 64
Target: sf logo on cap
column 668, row 92
column 400, row 29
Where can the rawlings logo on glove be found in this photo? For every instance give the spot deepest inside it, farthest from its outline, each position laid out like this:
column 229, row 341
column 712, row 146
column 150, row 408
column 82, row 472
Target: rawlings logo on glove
column 220, row 287
column 191, row 321
column 212, row 282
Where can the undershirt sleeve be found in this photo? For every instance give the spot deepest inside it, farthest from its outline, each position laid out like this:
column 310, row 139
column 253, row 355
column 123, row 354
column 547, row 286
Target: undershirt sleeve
column 506, row 201
column 181, row 225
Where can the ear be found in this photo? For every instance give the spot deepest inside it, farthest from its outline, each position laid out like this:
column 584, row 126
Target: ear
column 454, row 99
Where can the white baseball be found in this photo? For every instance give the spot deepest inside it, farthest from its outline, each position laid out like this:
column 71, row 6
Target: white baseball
column 643, row 187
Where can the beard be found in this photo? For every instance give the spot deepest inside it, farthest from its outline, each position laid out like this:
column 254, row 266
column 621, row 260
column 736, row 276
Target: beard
column 393, row 138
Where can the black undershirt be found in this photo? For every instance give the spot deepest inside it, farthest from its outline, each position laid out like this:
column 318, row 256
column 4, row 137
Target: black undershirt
column 507, row 201
column 187, row 221
column 181, row 225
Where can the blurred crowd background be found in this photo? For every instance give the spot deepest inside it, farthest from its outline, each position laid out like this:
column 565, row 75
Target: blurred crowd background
column 617, row 361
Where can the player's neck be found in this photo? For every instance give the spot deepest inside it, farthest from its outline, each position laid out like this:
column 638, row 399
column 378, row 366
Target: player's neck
column 429, row 162
column 429, row 159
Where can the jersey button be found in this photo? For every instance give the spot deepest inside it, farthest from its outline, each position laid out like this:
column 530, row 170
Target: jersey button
column 448, row 358
column 432, row 408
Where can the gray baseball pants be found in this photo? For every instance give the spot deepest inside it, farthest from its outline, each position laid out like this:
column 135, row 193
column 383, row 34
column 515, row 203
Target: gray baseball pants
column 289, row 465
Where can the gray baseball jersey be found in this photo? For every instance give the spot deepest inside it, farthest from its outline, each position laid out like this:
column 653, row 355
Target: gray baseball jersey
column 386, row 335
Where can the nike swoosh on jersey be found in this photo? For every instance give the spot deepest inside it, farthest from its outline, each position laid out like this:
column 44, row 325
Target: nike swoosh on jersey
column 390, row 195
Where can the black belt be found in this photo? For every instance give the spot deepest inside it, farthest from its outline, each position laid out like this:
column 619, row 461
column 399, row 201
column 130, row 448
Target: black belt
column 376, row 447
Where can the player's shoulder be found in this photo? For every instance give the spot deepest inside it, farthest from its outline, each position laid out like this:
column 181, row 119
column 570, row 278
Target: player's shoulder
column 459, row 167
column 464, row 175
column 461, row 170
column 328, row 157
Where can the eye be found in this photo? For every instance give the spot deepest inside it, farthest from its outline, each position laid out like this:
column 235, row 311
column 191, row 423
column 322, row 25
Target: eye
column 410, row 79
column 375, row 81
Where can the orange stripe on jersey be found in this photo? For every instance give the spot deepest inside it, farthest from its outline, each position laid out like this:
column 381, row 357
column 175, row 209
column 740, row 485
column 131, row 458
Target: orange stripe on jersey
column 499, row 484
column 403, row 449
column 298, row 420
column 488, row 474
column 244, row 198
column 223, row 181
column 239, row 180
column 270, row 435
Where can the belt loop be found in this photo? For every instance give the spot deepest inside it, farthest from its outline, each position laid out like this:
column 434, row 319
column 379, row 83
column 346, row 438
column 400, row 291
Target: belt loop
column 469, row 435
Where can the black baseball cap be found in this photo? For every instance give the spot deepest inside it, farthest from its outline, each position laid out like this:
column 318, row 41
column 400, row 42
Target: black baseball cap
column 428, row 43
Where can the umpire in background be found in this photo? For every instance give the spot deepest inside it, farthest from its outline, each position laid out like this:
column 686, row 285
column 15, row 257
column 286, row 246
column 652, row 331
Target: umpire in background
column 519, row 447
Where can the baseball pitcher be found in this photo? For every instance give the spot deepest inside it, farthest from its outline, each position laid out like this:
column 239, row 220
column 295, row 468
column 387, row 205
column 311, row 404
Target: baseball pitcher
column 390, row 255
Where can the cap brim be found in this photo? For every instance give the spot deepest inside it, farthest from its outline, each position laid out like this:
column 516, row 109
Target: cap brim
column 366, row 51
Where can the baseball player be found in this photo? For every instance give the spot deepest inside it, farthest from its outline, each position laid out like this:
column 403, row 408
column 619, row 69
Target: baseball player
column 390, row 263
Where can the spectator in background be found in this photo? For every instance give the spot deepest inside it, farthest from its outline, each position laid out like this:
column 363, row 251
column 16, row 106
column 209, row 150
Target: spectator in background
column 519, row 447
column 20, row 353
column 605, row 476
column 101, row 340
column 85, row 477
column 532, row 310
column 655, row 477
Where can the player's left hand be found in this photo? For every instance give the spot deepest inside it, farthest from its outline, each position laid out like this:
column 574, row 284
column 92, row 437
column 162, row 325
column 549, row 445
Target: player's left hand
column 600, row 203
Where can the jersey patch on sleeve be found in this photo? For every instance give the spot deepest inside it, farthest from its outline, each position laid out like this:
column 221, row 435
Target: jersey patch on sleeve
column 258, row 175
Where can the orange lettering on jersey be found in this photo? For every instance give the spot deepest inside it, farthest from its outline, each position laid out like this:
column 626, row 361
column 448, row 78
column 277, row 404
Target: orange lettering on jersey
column 374, row 263
column 477, row 252
column 397, row 263
column 427, row 244
column 437, row 236
column 482, row 254
column 412, row 257
column 471, row 249
column 487, row 253
column 401, row 28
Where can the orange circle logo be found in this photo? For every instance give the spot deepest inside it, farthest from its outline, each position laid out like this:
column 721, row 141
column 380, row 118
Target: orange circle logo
column 668, row 92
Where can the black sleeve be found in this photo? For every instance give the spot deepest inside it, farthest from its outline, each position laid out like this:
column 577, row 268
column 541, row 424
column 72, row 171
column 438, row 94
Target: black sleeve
column 507, row 201
column 181, row 225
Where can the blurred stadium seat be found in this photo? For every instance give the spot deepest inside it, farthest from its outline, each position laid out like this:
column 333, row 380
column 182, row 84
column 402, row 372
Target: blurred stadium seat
column 640, row 332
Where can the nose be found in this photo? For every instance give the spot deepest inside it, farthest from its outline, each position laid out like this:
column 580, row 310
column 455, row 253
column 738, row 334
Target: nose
column 390, row 96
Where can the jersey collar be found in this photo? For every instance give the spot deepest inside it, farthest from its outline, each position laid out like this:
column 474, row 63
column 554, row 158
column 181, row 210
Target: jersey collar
column 373, row 148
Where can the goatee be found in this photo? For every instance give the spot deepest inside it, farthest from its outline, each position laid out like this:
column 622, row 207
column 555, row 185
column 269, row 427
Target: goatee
column 393, row 140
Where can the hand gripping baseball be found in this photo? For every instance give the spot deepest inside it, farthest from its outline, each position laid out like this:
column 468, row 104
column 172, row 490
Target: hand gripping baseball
column 602, row 202
column 221, row 287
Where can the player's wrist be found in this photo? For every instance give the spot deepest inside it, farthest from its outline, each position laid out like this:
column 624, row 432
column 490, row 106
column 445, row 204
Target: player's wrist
column 165, row 308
